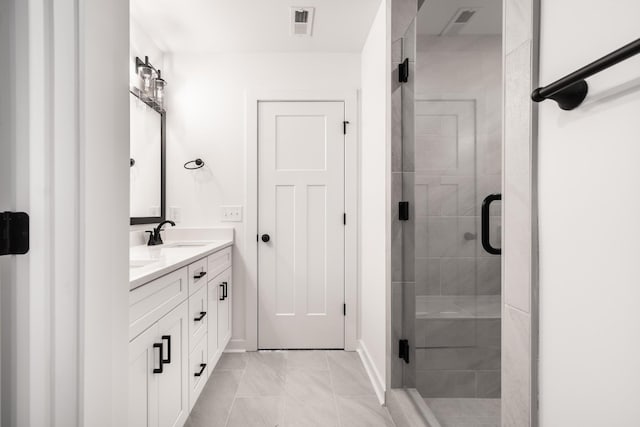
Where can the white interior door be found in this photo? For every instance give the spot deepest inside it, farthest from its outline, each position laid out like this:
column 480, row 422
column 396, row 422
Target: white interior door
column 300, row 209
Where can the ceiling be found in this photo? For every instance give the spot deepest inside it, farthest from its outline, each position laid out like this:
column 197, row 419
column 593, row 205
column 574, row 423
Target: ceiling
column 434, row 16
column 253, row 25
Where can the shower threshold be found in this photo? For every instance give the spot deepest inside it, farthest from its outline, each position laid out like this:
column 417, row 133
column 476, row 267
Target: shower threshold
column 455, row 412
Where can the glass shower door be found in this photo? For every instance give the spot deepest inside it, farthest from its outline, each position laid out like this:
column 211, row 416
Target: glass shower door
column 452, row 162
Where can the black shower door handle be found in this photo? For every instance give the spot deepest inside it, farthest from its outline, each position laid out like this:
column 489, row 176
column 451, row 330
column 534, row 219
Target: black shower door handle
column 486, row 227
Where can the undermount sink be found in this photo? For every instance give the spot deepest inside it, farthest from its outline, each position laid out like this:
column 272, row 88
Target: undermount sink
column 138, row 263
column 185, row 245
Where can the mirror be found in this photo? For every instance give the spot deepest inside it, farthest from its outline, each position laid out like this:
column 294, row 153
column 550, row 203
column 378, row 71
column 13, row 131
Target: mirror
column 147, row 162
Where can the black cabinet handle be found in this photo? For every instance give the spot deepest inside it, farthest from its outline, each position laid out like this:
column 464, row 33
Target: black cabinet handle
column 486, row 227
column 222, row 297
column 168, row 339
column 201, row 275
column 202, row 366
column 158, row 370
column 199, row 318
column 266, row 238
column 224, row 294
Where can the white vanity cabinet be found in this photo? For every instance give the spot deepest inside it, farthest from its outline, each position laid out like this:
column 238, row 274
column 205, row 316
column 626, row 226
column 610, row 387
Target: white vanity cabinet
column 179, row 324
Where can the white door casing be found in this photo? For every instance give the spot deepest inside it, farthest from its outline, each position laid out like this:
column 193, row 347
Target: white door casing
column 301, row 202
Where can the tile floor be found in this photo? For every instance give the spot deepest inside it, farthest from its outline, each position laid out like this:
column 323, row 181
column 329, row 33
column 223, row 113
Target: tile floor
column 289, row 389
column 452, row 412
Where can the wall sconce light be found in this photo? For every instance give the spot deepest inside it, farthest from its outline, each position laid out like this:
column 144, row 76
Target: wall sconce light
column 153, row 85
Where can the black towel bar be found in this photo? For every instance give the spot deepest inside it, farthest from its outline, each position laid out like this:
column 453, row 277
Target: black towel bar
column 570, row 91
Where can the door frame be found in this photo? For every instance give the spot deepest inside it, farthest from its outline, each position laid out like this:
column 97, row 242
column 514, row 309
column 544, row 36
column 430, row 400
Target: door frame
column 350, row 99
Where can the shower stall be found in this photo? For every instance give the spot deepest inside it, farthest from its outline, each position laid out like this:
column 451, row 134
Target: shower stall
column 446, row 184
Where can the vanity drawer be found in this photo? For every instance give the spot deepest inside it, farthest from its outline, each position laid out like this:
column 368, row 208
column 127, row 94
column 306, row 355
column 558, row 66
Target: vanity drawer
column 219, row 262
column 198, row 317
column 148, row 303
column 198, row 371
column 197, row 275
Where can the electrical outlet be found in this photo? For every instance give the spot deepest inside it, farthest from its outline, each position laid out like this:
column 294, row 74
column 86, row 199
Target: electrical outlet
column 231, row 213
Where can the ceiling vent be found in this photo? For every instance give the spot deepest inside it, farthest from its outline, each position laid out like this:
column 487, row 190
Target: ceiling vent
column 459, row 20
column 301, row 21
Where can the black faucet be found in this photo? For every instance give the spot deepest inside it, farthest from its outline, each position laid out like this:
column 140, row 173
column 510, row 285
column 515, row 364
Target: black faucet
column 154, row 236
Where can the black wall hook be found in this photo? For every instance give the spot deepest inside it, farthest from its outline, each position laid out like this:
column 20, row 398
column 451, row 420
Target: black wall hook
column 197, row 162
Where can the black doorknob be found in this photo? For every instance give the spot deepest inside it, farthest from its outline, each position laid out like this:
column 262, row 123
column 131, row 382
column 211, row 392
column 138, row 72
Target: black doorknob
column 265, row 238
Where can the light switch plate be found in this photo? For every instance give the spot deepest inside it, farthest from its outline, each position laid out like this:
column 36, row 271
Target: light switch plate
column 231, row 213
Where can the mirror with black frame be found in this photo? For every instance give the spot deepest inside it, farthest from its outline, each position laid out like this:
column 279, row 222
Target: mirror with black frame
column 147, row 162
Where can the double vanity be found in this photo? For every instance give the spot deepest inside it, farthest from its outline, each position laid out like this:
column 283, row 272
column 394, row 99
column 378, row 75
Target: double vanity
column 179, row 320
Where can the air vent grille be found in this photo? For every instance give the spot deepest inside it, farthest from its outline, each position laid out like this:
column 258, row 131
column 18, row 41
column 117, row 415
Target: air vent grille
column 301, row 21
column 458, row 21
column 301, row 16
column 464, row 16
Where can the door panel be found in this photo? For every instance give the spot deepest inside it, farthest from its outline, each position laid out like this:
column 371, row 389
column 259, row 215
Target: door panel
column 224, row 308
column 212, row 321
column 143, row 383
column 301, row 207
column 172, row 383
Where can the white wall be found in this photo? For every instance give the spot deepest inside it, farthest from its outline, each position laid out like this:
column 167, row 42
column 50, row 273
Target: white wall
column 374, row 269
column 588, row 216
column 206, row 119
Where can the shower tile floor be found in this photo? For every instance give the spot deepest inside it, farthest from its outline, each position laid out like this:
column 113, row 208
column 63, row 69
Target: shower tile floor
column 467, row 412
column 289, row 389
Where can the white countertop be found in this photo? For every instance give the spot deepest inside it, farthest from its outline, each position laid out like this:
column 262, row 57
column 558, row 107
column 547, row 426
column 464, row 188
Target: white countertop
column 147, row 263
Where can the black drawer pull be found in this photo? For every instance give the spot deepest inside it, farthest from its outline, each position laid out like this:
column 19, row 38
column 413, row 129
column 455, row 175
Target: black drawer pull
column 158, row 370
column 201, row 275
column 168, row 339
column 225, row 290
column 202, row 366
column 223, row 296
column 199, row 318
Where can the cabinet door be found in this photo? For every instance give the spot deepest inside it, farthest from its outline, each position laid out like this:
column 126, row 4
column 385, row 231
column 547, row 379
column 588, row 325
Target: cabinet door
column 224, row 309
column 143, row 383
column 212, row 322
column 173, row 401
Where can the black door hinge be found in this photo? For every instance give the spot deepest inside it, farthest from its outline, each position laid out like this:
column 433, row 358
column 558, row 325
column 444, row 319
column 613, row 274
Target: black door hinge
column 14, row 233
column 344, row 126
column 403, row 71
column 403, row 350
column 344, row 309
column 403, row 211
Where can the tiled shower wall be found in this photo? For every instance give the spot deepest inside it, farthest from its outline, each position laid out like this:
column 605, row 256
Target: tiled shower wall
column 467, row 70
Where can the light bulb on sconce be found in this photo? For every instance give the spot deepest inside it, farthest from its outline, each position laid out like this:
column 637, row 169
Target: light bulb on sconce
column 159, row 86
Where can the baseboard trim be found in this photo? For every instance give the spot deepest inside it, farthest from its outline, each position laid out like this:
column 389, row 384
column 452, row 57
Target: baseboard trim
column 236, row 346
column 408, row 409
column 374, row 376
